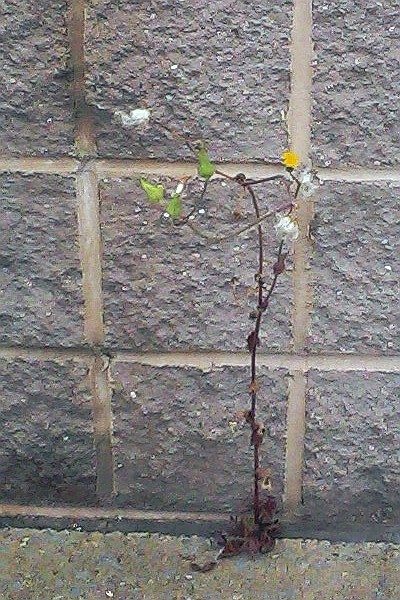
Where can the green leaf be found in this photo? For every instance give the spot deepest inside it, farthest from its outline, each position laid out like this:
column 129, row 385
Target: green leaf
column 174, row 208
column 154, row 192
column 205, row 168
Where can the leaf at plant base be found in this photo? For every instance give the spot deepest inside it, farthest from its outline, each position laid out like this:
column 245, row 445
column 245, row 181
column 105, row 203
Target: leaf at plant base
column 154, row 192
column 205, row 168
column 174, row 208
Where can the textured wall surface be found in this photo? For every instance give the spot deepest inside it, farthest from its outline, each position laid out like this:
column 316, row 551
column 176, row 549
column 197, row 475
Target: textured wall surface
column 123, row 358
column 41, row 290
column 352, row 460
column 355, row 269
column 356, row 80
column 46, row 432
column 188, row 450
column 35, row 97
column 209, row 71
column 185, row 293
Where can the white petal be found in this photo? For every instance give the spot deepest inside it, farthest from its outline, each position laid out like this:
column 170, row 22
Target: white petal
column 305, row 177
column 286, row 228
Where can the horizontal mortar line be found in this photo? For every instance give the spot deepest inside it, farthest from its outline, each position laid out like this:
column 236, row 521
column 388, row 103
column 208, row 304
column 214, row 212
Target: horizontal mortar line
column 351, row 174
column 58, row 166
column 128, row 167
column 359, row 174
column 206, row 360
column 296, row 362
column 72, row 512
column 46, row 353
column 181, row 168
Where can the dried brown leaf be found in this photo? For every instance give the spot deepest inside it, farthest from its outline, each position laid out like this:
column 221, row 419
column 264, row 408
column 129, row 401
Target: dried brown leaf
column 257, row 435
column 233, row 547
column 254, row 387
column 253, row 341
column 203, row 567
column 264, row 477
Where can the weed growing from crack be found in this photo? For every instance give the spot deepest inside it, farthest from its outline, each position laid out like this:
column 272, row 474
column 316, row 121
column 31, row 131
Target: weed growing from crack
column 255, row 531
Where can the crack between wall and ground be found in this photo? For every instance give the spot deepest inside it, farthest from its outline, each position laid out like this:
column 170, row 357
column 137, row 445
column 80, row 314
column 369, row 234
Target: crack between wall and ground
column 129, row 519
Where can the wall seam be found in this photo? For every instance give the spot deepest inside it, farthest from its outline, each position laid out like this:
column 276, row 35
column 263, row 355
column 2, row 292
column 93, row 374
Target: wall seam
column 299, row 126
column 88, row 197
column 87, row 512
column 132, row 168
column 87, row 191
column 99, row 375
column 85, row 140
column 208, row 360
column 296, row 362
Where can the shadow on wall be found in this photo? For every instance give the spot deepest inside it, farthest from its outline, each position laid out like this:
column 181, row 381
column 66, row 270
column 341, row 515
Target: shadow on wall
column 44, row 480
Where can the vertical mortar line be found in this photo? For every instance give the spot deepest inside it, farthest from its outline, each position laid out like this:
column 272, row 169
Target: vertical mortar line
column 102, row 426
column 91, row 265
column 84, row 128
column 90, row 252
column 299, row 125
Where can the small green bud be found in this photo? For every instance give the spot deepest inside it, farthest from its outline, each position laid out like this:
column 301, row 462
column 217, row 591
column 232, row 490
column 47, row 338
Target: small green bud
column 154, row 192
column 174, row 208
column 205, row 168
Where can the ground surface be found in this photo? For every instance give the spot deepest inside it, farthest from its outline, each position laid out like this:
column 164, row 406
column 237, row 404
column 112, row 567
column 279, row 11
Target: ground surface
column 67, row 565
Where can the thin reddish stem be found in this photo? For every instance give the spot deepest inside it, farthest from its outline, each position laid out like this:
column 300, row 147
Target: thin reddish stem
column 254, row 337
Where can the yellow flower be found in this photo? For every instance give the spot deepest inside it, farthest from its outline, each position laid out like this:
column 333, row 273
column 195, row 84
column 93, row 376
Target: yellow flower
column 290, row 159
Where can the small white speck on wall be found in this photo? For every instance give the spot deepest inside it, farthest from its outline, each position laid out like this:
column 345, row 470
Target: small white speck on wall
column 133, row 118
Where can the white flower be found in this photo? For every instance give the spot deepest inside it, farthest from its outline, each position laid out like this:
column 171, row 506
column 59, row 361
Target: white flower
column 308, row 186
column 137, row 116
column 179, row 188
column 286, row 228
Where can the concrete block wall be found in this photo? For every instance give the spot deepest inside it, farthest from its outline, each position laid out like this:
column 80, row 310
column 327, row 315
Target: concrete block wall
column 122, row 355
